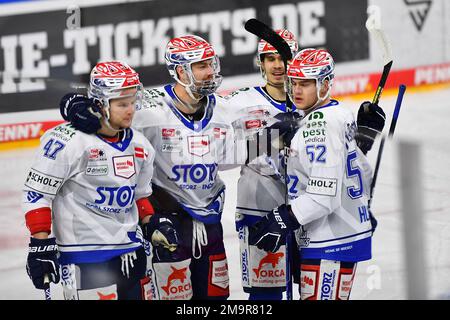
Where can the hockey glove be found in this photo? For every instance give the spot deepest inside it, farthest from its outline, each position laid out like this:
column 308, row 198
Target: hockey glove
column 269, row 233
column 370, row 121
column 83, row 113
column 160, row 231
column 42, row 260
column 287, row 124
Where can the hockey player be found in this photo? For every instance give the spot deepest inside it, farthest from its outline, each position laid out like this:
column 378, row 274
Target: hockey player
column 260, row 186
column 192, row 140
column 329, row 180
column 80, row 197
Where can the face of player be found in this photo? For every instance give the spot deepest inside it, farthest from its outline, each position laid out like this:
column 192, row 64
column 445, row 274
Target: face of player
column 273, row 65
column 203, row 70
column 121, row 110
column 304, row 93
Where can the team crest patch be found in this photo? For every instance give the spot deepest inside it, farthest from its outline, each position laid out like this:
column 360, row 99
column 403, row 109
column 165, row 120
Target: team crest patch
column 198, row 145
column 124, row 166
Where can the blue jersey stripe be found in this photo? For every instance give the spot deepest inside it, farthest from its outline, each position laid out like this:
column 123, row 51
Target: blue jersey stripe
column 93, row 256
column 196, row 126
column 94, row 245
column 341, row 238
column 359, row 250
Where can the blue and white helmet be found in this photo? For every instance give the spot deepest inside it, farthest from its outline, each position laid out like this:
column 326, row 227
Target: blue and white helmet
column 311, row 63
column 264, row 47
column 187, row 50
column 110, row 80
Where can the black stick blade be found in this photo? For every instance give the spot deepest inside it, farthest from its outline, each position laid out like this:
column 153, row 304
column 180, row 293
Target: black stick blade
column 262, row 31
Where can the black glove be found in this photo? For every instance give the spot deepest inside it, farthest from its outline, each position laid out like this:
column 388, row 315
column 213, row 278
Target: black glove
column 42, row 260
column 161, row 231
column 269, row 233
column 287, row 124
column 370, row 121
column 83, row 113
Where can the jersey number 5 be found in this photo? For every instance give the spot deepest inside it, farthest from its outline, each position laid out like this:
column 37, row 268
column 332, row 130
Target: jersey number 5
column 354, row 192
column 52, row 147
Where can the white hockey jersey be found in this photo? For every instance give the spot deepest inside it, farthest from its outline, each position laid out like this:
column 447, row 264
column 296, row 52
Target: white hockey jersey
column 188, row 153
column 91, row 185
column 260, row 186
column 329, row 180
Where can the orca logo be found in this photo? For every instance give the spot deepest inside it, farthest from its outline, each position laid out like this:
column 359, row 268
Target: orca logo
column 176, row 275
column 272, row 259
column 418, row 10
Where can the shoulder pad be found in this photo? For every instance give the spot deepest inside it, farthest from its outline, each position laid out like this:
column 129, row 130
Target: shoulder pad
column 63, row 132
column 151, row 99
column 154, row 93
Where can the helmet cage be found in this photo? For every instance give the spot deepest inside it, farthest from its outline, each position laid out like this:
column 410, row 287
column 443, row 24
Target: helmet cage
column 186, row 51
column 109, row 80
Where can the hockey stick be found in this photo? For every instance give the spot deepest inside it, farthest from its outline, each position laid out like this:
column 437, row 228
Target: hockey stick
column 262, row 31
column 47, row 292
column 373, row 25
column 398, row 104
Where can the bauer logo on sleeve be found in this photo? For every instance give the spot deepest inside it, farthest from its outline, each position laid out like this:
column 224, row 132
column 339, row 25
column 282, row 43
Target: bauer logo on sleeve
column 322, row 186
column 124, row 166
column 43, row 182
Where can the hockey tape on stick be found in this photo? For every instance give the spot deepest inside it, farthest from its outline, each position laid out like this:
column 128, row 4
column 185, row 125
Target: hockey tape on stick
column 373, row 25
column 398, row 104
column 262, row 31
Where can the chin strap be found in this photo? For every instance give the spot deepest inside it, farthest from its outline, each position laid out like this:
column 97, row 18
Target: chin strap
column 106, row 121
column 105, row 108
column 319, row 99
column 188, row 105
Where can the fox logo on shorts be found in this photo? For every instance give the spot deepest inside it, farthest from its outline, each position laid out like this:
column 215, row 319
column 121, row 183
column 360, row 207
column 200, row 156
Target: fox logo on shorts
column 270, row 258
column 102, row 296
column 177, row 274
